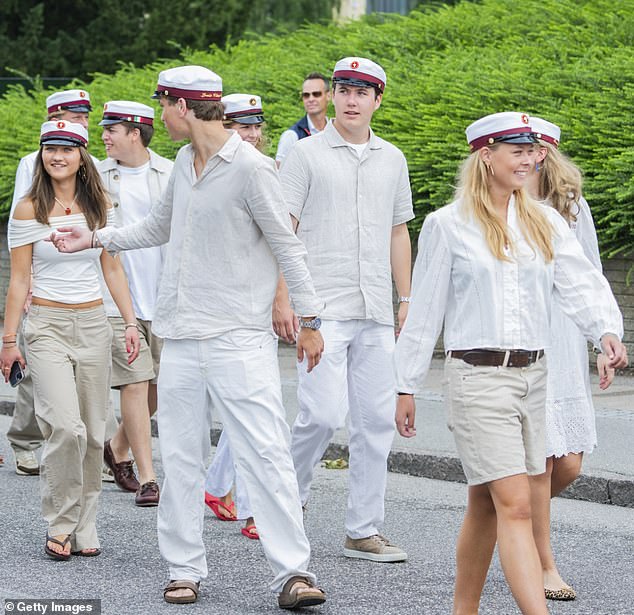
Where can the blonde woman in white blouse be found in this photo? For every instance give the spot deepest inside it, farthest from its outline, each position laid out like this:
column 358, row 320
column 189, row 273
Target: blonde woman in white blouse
column 570, row 422
column 488, row 266
column 66, row 332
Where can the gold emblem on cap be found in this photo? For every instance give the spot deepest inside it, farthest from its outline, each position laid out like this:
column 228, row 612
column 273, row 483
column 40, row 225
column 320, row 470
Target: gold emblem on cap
column 491, row 140
column 524, row 118
column 354, row 64
column 253, row 102
column 82, row 94
column 61, row 124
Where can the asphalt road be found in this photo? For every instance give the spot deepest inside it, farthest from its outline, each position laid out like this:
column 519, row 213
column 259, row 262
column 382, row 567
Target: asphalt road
column 594, row 544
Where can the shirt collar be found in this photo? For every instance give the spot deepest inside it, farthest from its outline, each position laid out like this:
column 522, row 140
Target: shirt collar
column 334, row 139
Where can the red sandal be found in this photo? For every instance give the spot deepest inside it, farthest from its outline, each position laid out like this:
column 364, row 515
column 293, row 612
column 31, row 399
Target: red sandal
column 250, row 531
column 224, row 512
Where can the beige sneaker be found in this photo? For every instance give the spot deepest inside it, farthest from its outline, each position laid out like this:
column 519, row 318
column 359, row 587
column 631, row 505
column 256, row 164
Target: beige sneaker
column 106, row 474
column 375, row 548
column 26, row 463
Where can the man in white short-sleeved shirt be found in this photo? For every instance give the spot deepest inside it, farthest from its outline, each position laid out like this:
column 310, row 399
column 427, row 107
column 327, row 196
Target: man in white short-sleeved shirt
column 348, row 193
column 135, row 178
column 315, row 96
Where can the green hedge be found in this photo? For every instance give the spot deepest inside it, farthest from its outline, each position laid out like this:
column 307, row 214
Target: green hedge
column 569, row 61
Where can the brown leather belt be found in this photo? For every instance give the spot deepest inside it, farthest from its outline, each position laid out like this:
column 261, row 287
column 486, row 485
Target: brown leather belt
column 498, row 358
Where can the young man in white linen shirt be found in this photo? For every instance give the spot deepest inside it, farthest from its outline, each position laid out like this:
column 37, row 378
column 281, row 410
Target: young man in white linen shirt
column 228, row 234
column 349, row 195
column 134, row 178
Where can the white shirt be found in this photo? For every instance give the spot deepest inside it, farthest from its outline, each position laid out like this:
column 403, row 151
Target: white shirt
column 346, row 206
column 131, row 190
column 289, row 138
column 66, row 278
column 489, row 303
column 227, row 230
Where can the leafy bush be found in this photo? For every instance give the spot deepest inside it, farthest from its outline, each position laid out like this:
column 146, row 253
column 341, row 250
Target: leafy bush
column 569, row 61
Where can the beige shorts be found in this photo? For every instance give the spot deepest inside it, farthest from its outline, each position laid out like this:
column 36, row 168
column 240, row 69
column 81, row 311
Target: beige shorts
column 497, row 417
column 145, row 366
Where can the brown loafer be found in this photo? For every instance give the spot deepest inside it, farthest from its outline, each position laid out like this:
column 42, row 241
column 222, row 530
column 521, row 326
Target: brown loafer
column 147, row 494
column 292, row 598
column 123, row 472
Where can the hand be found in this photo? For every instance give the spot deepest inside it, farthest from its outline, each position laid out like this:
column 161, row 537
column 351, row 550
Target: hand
column 606, row 373
column 132, row 343
column 8, row 356
column 285, row 321
column 403, row 309
column 71, row 238
column 311, row 345
column 405, row 416
column 614, row 350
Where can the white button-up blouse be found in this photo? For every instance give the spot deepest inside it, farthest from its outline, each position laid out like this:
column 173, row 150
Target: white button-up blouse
column 485, row 302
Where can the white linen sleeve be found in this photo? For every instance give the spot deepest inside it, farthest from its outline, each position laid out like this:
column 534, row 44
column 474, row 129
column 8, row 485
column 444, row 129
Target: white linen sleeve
column 153, row 230
column 267, row 206
column 582, row 292
column 403, row 207
column 430, row 293
column 587, row 234
column 295, row 183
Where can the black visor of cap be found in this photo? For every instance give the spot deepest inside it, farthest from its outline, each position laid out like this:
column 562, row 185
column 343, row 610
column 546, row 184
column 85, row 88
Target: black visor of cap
column 82, row 108
column 360, row 83
column 523, row 137
column 248, row 119
column 57, row 140
column 110, row 121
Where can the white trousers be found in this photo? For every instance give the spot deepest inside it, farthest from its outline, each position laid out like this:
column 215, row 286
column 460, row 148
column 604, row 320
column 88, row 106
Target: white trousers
column 355, row 379
column 236, row 373
column 221, row 476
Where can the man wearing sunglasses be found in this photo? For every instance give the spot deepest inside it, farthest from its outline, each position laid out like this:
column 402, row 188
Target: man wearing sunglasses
column 315, row 96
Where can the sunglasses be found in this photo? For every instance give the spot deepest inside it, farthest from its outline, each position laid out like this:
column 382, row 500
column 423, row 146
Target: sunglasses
column 307, row 95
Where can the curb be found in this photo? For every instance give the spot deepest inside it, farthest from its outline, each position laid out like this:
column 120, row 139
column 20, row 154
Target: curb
column 589, row 488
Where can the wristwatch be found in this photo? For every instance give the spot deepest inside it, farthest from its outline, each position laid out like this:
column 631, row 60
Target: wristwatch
column 313, row 323
column 404, row 299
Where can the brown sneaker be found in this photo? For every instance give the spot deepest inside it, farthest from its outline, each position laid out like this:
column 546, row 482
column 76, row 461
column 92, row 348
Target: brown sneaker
column 147, row 494
column 375, row 548
column 123, row 472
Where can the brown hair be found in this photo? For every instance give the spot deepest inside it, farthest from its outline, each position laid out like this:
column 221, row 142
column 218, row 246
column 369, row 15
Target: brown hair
column 559, row 182
column 263, row 142
column 91, row 196
column 206, row 110
column 473, row 189
column 146, row 131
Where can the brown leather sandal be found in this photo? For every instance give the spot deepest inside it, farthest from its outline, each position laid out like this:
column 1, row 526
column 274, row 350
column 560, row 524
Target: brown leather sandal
column 172, row 585
column 292, row 598
column 61, row 557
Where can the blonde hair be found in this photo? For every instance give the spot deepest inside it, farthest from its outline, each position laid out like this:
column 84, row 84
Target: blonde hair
column 473, row 189
column 559, row 182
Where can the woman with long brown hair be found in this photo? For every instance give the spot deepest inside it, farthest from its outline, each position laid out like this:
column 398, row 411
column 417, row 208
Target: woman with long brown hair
column 488, row 267
column 66, row 332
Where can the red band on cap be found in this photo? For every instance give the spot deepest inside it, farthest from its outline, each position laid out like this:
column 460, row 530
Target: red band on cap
column 547, row 138
column 64, row 134
column 126, row 117
column 484, row 140
column 82, row 102
column 246, row 113
column 188, row 94
column 355, row 74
